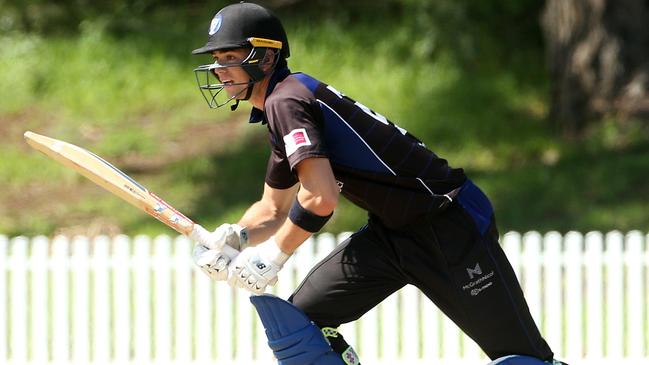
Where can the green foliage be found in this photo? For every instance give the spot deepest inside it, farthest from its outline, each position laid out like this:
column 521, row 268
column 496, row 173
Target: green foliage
column 465, row 77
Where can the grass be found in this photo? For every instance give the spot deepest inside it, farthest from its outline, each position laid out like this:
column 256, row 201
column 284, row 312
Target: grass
column 133, row 95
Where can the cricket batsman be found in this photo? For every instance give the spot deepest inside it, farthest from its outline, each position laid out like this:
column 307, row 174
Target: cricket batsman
column 428, row 224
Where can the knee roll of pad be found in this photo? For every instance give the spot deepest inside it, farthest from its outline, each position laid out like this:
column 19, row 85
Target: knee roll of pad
column 294, row 339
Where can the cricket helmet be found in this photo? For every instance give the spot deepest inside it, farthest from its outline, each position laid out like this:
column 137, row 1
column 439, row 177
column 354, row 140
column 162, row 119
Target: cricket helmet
column 235, row 25
column 241, row 25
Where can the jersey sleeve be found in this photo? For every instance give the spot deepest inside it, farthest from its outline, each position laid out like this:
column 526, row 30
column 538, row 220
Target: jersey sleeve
column 297, row 132
column 278, row 172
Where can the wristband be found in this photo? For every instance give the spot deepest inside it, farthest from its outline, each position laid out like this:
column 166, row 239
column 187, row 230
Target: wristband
column 271, row 251
column 305, row 219
column 242, row 233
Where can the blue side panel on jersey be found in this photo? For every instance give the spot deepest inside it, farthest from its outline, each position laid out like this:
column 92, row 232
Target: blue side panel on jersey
column 308, row 81
column 476, row 203
column 346, row 147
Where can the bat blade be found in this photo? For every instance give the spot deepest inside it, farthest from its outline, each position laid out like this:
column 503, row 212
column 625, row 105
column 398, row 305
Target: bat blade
column 110, row 178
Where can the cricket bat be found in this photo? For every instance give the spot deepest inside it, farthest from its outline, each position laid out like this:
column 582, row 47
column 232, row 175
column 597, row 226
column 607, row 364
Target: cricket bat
column 117, row 182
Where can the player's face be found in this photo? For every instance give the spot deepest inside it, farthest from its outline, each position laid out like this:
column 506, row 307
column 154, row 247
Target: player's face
column 231, row 74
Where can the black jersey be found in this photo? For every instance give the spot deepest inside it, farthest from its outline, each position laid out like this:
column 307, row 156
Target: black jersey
column 378, row 166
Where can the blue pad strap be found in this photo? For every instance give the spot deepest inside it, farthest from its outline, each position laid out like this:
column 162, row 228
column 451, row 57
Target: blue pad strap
column 294, row 339
column 517, row 360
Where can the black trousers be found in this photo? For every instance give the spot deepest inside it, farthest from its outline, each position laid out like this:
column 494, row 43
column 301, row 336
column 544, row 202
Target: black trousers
column 466, row 274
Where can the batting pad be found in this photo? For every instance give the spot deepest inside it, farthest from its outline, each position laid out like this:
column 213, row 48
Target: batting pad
column 294, row 339
column 518, row 360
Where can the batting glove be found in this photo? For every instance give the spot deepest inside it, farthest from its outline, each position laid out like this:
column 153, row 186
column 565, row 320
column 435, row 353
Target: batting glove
column 257, row 267
column 232, row 235
column 215, row 250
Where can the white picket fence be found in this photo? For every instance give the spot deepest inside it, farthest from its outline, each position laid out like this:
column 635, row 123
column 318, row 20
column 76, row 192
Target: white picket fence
column 140, row 300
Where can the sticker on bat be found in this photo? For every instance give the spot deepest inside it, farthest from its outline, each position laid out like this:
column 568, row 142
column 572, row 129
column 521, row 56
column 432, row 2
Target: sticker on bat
column 159, row 208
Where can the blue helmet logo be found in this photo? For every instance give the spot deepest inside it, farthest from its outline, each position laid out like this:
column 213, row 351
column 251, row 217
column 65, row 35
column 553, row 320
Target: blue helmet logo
column 216, row 24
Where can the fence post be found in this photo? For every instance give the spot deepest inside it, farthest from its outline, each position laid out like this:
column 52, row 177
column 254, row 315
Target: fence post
column 574, row 293
column 286, row 279
column 122, row 295
column 532, row 273
column 39, row 304
column 552, row 291
column 80, row 263
column 451, row 337
column 261, row 349
column 244, row 318
column 645, row 260
column 614, row 296
column 18, row 298
column 206, row 319
column 410, row 322
column 226, row 324
column 4, row 244
column 594, row 295
column 636, row 296
column 303, row 260
column 142, row 300
column 511, row 243
column 183, row 292
column 324, row 244
column 430, row 333
column 390, row 334
column 101, row 260
column 369, row 341
column 60, row 299
column 162, row 298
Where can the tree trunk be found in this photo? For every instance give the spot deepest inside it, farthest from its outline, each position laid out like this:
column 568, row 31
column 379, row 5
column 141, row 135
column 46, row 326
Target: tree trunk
column 598, row 57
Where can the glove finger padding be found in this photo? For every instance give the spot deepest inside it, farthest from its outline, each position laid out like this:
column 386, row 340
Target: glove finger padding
column 214, row 263
column 257, row 267
column 236, row 270
column 215, row 259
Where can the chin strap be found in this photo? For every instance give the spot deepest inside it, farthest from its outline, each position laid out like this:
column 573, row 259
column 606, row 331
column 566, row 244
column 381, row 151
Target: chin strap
column 255, row 72
column 251, row 85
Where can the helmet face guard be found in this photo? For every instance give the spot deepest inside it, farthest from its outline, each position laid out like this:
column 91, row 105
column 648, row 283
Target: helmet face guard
column 241, row 25
column 211, row 86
